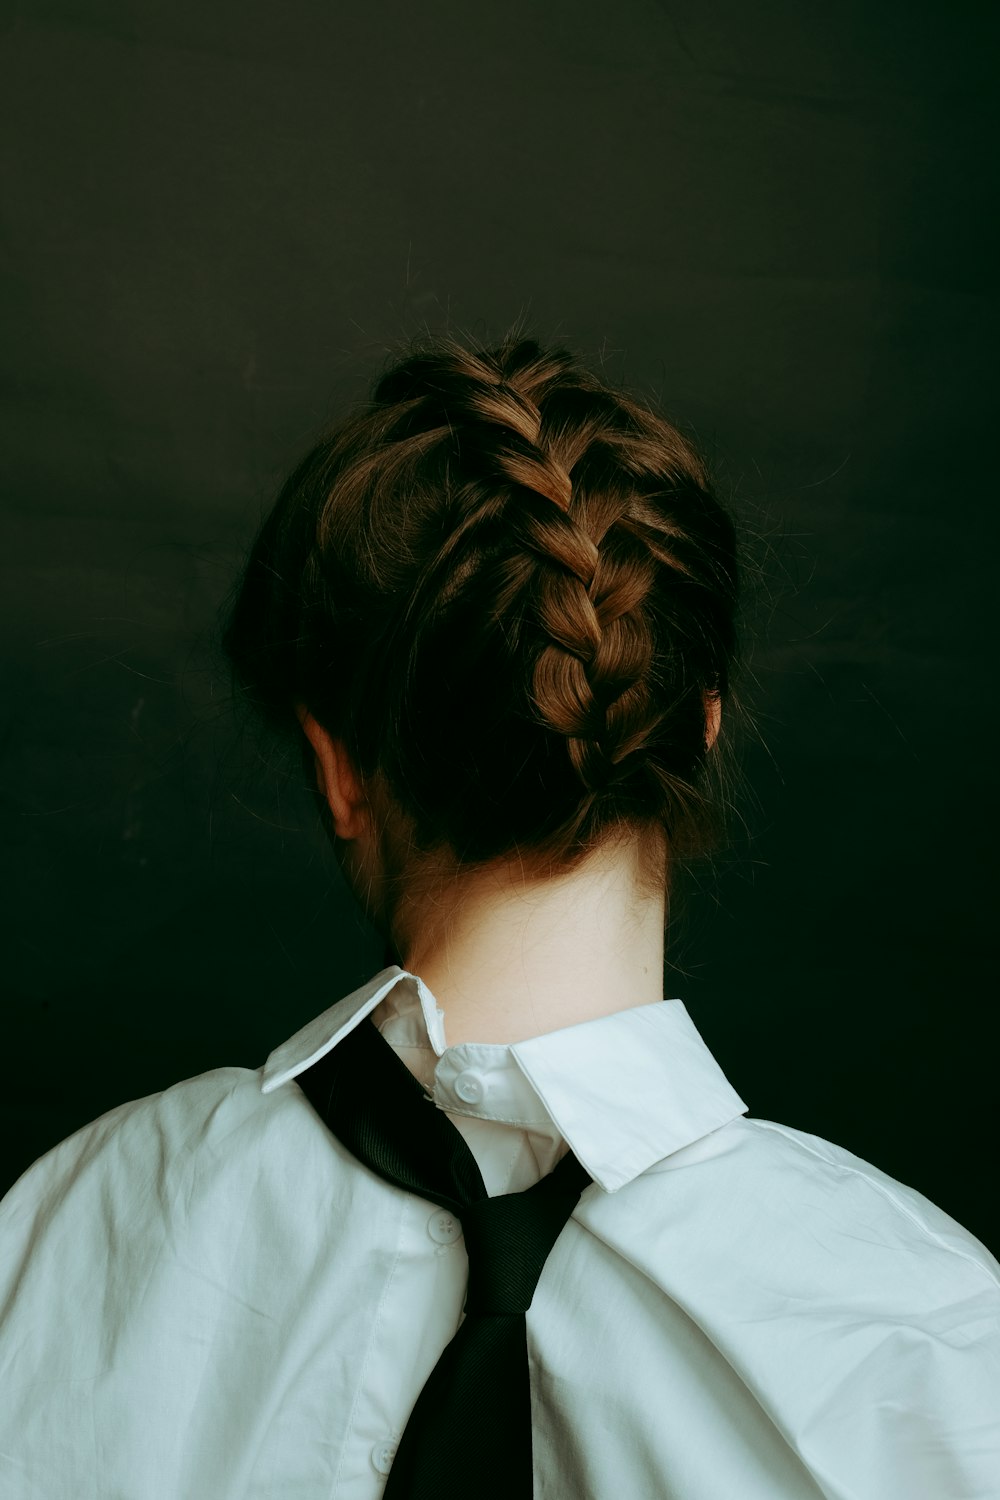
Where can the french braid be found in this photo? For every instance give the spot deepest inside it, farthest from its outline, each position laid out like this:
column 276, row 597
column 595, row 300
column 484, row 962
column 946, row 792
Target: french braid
column 497, row 556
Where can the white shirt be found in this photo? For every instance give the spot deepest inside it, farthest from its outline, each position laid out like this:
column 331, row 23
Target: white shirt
column 204, row 1296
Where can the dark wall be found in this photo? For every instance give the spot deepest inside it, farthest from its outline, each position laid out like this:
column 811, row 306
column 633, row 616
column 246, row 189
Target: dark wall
column 769, row 217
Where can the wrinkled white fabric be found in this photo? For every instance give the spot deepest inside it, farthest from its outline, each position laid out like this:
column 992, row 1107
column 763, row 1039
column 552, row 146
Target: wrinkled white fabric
column 204, row 1296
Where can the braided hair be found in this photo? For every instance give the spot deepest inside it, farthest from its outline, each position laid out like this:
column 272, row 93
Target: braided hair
column 507, row 588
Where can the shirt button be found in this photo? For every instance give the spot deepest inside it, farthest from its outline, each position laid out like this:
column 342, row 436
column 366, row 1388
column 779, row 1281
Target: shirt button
column 383, row 1454
column 444, row 1228
column 469, row 1086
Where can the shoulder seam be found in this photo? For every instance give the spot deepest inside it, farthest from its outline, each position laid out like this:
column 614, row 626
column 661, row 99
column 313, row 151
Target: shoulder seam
column 880, row 1188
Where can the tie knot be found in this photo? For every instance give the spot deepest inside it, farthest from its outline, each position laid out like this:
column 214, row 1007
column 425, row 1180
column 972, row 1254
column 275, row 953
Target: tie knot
column 508, row 1239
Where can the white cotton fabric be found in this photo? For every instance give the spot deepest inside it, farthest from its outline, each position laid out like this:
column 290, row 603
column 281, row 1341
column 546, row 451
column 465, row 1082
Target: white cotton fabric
column 205, row 1296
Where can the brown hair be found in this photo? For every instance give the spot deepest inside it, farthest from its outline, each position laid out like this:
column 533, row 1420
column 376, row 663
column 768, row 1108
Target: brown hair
column 506, row 586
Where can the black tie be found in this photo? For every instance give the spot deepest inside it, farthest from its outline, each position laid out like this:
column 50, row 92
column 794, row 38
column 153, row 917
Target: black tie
column 469, row 1432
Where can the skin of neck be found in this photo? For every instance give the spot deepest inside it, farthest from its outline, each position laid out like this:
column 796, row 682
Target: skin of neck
column 508, row 958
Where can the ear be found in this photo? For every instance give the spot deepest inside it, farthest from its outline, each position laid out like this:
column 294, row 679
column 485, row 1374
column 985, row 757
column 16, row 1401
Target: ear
column 336, row 777
column 713, row 716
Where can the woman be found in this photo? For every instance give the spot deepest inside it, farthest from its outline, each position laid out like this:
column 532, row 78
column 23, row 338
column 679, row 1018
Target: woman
column 496, row 607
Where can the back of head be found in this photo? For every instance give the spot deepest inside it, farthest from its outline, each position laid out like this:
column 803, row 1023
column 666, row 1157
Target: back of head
column 507, row 588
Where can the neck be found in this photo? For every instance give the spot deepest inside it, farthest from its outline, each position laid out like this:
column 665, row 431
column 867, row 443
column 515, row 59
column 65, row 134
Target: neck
column 508, row 959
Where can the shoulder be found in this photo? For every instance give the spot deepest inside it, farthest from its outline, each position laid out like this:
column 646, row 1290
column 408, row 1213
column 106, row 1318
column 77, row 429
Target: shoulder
column 162, row 1209
column 136, row 1256
column 769, row 1236
column 778, row 1206
column 860, row 1204
column 156, row 1132
column 864, row 1319
column 149, row 1165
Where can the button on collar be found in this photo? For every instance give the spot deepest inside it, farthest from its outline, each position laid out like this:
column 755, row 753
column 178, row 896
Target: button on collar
column 470, row 1086
column 484, row 1080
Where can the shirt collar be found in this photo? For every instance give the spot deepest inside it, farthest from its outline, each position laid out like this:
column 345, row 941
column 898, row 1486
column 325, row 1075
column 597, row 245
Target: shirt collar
column 624, row 1090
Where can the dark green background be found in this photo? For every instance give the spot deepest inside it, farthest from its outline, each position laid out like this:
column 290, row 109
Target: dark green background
column 768, row 216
